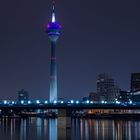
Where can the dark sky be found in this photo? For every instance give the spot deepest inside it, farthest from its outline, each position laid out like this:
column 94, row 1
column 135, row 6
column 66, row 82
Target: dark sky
column 98, row 36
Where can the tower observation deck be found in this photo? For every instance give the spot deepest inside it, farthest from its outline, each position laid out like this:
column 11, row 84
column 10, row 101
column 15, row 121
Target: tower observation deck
column 53, row 30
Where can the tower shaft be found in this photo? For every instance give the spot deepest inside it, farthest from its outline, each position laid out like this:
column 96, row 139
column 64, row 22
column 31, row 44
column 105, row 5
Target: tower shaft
column 53, row 73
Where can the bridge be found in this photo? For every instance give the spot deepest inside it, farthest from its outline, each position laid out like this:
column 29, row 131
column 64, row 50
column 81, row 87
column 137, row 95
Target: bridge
column 64, row 108
column 68, row 105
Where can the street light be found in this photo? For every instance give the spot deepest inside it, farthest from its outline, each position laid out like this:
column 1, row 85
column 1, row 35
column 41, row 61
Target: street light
column 37, row 101
column 71, row 101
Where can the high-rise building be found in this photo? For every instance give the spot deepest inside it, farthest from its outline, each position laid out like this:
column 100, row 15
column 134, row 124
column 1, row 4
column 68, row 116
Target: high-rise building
column 53, row 31
column 23, row 96
column 135, row 82
column 106, row 89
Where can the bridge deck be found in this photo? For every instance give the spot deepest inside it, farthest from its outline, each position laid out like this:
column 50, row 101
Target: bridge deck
column 70, row 106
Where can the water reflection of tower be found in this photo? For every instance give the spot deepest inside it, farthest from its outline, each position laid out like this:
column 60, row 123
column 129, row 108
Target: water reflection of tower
column 53, row 31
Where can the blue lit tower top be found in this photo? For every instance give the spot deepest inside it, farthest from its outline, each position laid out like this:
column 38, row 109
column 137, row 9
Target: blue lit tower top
column 53, row 27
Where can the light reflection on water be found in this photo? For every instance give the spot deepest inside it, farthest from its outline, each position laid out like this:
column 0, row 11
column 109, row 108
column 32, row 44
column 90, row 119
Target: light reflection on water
column 52, row 129
column 81, row 129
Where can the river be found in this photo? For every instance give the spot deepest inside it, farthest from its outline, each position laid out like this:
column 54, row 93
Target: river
column 81, row 129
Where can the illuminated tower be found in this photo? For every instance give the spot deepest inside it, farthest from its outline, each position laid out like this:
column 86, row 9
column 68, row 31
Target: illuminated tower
column 53, row 31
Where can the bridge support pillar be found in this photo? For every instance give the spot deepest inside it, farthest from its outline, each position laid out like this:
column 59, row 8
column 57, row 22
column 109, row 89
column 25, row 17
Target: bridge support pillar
column 64, row 124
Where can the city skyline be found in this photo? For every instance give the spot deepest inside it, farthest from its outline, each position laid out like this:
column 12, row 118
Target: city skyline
column 98, row 37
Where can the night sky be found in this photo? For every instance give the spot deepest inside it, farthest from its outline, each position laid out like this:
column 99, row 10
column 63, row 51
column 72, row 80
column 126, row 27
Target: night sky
column 98, row 36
